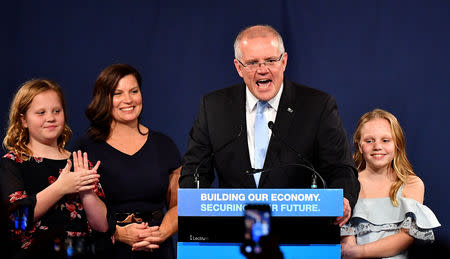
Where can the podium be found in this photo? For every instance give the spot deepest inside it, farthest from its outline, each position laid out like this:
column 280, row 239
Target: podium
column 211, row 224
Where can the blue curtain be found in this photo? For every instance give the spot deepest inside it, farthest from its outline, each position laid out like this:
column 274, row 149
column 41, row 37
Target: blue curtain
column 388, row 54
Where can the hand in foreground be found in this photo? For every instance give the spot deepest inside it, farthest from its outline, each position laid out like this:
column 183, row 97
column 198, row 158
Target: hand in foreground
column 346, row 215
column 149, row 240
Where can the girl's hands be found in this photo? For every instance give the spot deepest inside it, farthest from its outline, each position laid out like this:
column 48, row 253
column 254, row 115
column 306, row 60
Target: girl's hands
column 82, row 179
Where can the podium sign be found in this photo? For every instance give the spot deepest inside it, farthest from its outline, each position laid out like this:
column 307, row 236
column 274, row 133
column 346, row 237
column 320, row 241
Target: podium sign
column 211, row 221
column 283, row 202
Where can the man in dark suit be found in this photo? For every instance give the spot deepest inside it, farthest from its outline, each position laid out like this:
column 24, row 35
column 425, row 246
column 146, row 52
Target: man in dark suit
column 305, row 123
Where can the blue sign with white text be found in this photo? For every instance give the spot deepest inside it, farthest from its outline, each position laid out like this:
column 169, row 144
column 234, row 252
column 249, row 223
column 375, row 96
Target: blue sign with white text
column 283, row 202
column 188, row 250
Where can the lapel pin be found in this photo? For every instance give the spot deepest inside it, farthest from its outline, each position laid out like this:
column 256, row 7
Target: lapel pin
column 290, row 110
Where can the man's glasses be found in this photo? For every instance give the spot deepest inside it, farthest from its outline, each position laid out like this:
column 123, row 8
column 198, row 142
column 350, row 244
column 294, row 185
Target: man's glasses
column 253, row 65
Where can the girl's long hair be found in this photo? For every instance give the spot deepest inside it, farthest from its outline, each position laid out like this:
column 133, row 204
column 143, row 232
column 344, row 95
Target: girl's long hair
column 17, row 136
column 400, row 164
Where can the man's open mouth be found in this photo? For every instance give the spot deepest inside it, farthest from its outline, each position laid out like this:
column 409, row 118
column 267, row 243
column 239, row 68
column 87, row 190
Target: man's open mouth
column 263, row 82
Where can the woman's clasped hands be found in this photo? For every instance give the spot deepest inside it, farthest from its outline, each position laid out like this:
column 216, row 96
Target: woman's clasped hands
column 140, row 236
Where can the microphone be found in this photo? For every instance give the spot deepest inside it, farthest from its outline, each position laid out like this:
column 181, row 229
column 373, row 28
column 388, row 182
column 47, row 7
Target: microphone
column 305, row 163
column 208, row 158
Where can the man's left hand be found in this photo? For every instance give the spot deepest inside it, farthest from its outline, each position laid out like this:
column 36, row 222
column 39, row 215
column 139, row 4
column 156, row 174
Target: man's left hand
column 346, row 216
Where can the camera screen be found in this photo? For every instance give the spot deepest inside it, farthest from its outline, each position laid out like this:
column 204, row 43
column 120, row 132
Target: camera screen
column 257, row 224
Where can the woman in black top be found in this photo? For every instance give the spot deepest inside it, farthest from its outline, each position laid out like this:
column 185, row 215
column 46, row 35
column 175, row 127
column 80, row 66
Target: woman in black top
column 140, row 167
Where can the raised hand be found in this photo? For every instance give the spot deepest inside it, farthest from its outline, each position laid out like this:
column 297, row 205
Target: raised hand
column 81, row 167
column 81, row 162
column 78, row 181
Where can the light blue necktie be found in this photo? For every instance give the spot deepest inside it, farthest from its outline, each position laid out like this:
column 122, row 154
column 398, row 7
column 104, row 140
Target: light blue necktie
column 261, row 138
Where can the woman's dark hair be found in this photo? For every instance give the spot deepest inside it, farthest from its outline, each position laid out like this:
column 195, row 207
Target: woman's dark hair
column 99, row 111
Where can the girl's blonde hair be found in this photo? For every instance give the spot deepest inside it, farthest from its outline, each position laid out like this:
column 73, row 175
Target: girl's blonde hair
column 400, row 164
column 17, row 136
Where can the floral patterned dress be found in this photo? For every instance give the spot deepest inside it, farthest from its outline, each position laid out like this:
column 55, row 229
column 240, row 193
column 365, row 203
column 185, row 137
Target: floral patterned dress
column 21, row 181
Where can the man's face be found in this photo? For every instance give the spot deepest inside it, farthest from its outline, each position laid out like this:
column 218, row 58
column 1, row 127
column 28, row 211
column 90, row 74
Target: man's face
column 263, row 81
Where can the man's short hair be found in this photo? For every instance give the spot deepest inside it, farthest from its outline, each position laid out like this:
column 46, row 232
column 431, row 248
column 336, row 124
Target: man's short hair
column 257, row 31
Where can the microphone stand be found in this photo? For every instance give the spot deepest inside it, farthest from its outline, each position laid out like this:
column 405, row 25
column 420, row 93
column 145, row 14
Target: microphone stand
column 306, row 164
column 196, row 174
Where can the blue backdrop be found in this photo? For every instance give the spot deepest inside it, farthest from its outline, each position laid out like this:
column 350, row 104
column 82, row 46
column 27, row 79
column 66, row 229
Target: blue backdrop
column 388, row 54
